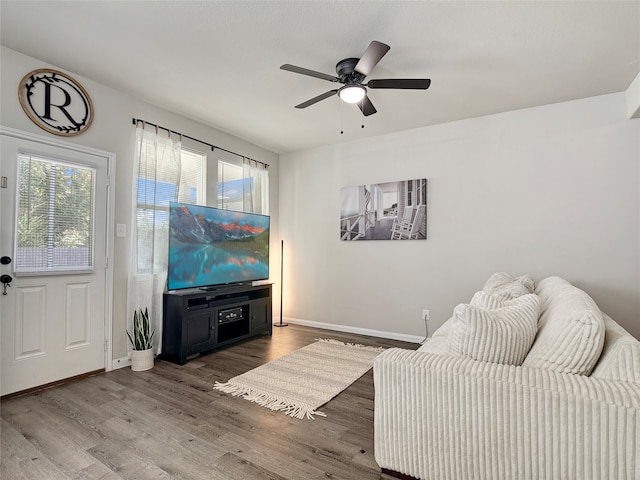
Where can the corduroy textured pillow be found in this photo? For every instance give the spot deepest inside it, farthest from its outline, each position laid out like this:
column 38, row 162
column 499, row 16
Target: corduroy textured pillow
column 502, row 335
column 570, row 330
column 487, row 301
column 506, row 287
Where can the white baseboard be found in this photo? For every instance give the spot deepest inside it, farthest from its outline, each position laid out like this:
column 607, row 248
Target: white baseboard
column 121, row 362
column 126, row 361
column 403, row 337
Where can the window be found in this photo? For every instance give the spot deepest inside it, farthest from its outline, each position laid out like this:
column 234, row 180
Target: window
column 55, row 213
column 156, row 185
column 159, row 182
column 231, row 186
column 192, row 176
column 243, row 186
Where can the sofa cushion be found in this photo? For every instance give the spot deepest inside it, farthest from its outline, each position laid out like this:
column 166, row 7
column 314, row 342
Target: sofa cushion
column 444, row 330
column 437, row 345
column 620, row 358
column 502, row 335
column 506, row 287
column 570, row 330
column 438, row 342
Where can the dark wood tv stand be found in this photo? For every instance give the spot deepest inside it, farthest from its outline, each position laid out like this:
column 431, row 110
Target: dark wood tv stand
column 196, row 321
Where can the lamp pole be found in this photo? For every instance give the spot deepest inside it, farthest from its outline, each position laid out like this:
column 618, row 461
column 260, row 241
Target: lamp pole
column 280, row 324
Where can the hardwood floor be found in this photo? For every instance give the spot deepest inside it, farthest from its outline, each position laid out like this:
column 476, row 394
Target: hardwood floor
column 169, row 423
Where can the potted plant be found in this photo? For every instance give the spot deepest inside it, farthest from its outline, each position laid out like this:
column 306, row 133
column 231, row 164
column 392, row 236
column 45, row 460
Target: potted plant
column 141, row 339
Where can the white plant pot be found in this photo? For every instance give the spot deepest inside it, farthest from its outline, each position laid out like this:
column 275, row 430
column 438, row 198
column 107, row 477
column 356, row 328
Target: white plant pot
column 141, row 360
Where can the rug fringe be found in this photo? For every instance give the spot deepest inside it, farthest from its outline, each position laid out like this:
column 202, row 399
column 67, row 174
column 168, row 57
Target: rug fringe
column 355, row 345
column 269, row 401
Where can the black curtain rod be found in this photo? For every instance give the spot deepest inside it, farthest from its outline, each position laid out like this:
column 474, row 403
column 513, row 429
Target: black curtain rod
column 213, row 147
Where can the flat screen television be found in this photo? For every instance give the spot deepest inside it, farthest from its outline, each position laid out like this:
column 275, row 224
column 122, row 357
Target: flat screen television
column 210, row 247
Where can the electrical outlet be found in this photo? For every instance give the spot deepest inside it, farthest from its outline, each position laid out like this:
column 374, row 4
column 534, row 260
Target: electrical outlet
column 425, row 315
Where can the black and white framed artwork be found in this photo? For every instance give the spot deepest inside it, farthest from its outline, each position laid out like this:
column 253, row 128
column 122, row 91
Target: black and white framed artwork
column 384, row 211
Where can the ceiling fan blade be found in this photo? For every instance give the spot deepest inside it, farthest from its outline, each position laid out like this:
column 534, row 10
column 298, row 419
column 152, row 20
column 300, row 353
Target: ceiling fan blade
column 403, row 83
column 371, row 56
column 367, row 107
column 310, row 73
column 308, row 103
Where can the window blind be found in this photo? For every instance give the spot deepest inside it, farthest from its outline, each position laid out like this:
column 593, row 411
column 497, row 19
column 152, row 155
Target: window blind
column 55, row 215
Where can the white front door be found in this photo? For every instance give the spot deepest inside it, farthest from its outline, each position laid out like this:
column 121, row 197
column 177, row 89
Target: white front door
column 54, row 310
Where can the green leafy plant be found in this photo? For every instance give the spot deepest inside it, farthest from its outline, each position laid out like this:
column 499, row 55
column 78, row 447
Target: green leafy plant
column 142, row 335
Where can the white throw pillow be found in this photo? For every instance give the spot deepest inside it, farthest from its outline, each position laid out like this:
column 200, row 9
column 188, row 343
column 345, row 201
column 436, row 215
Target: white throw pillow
column 502, row 335
column 487, row 301
column 506, row 287
column 570, row 330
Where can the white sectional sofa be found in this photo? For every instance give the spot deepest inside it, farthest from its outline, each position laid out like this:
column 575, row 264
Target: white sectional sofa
column 495, row 394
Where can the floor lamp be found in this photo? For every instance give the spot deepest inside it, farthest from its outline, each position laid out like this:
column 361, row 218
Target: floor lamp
column 280, row 324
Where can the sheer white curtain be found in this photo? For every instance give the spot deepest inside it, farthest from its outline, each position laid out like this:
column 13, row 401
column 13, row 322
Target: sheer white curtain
column 243, row 185
column 156, row 177
column 256, row 198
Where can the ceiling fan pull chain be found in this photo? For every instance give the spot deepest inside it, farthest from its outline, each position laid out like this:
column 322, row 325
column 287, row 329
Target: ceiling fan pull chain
column 341, row 118
column 362, row 110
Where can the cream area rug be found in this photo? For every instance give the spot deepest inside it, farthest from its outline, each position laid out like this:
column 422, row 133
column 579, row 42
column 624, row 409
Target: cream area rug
column 300, row 382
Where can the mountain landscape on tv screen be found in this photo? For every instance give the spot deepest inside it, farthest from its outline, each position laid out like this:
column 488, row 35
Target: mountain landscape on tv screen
column 188, row 227
column 209, row 246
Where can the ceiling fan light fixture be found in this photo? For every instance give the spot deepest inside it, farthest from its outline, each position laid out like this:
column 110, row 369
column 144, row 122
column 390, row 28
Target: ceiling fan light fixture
column 352, row 93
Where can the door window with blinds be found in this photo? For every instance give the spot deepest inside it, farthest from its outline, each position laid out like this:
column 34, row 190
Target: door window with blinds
column 54, row 217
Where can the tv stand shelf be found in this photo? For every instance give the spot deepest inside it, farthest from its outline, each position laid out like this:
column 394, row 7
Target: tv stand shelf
column 196, row 321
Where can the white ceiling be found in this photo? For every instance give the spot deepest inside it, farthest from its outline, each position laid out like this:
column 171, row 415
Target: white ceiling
column 218, row 62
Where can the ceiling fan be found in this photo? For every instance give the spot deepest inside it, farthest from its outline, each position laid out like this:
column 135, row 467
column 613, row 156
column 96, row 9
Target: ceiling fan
column 352, row 72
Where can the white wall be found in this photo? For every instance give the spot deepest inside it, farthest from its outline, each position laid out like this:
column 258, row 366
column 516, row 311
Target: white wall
column 112, row 130
column 552, row 190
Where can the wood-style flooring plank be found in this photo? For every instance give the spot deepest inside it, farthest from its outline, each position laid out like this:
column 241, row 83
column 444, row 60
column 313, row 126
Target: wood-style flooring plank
column 96, row 471
column 38, row 409
column 23, row 459
column 236, row 468
column 272, row 457
column 127, row 460
column 169, row 423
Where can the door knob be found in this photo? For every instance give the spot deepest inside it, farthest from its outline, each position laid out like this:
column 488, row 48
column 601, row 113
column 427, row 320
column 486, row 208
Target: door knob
column 6, row 282
column 5, row 260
